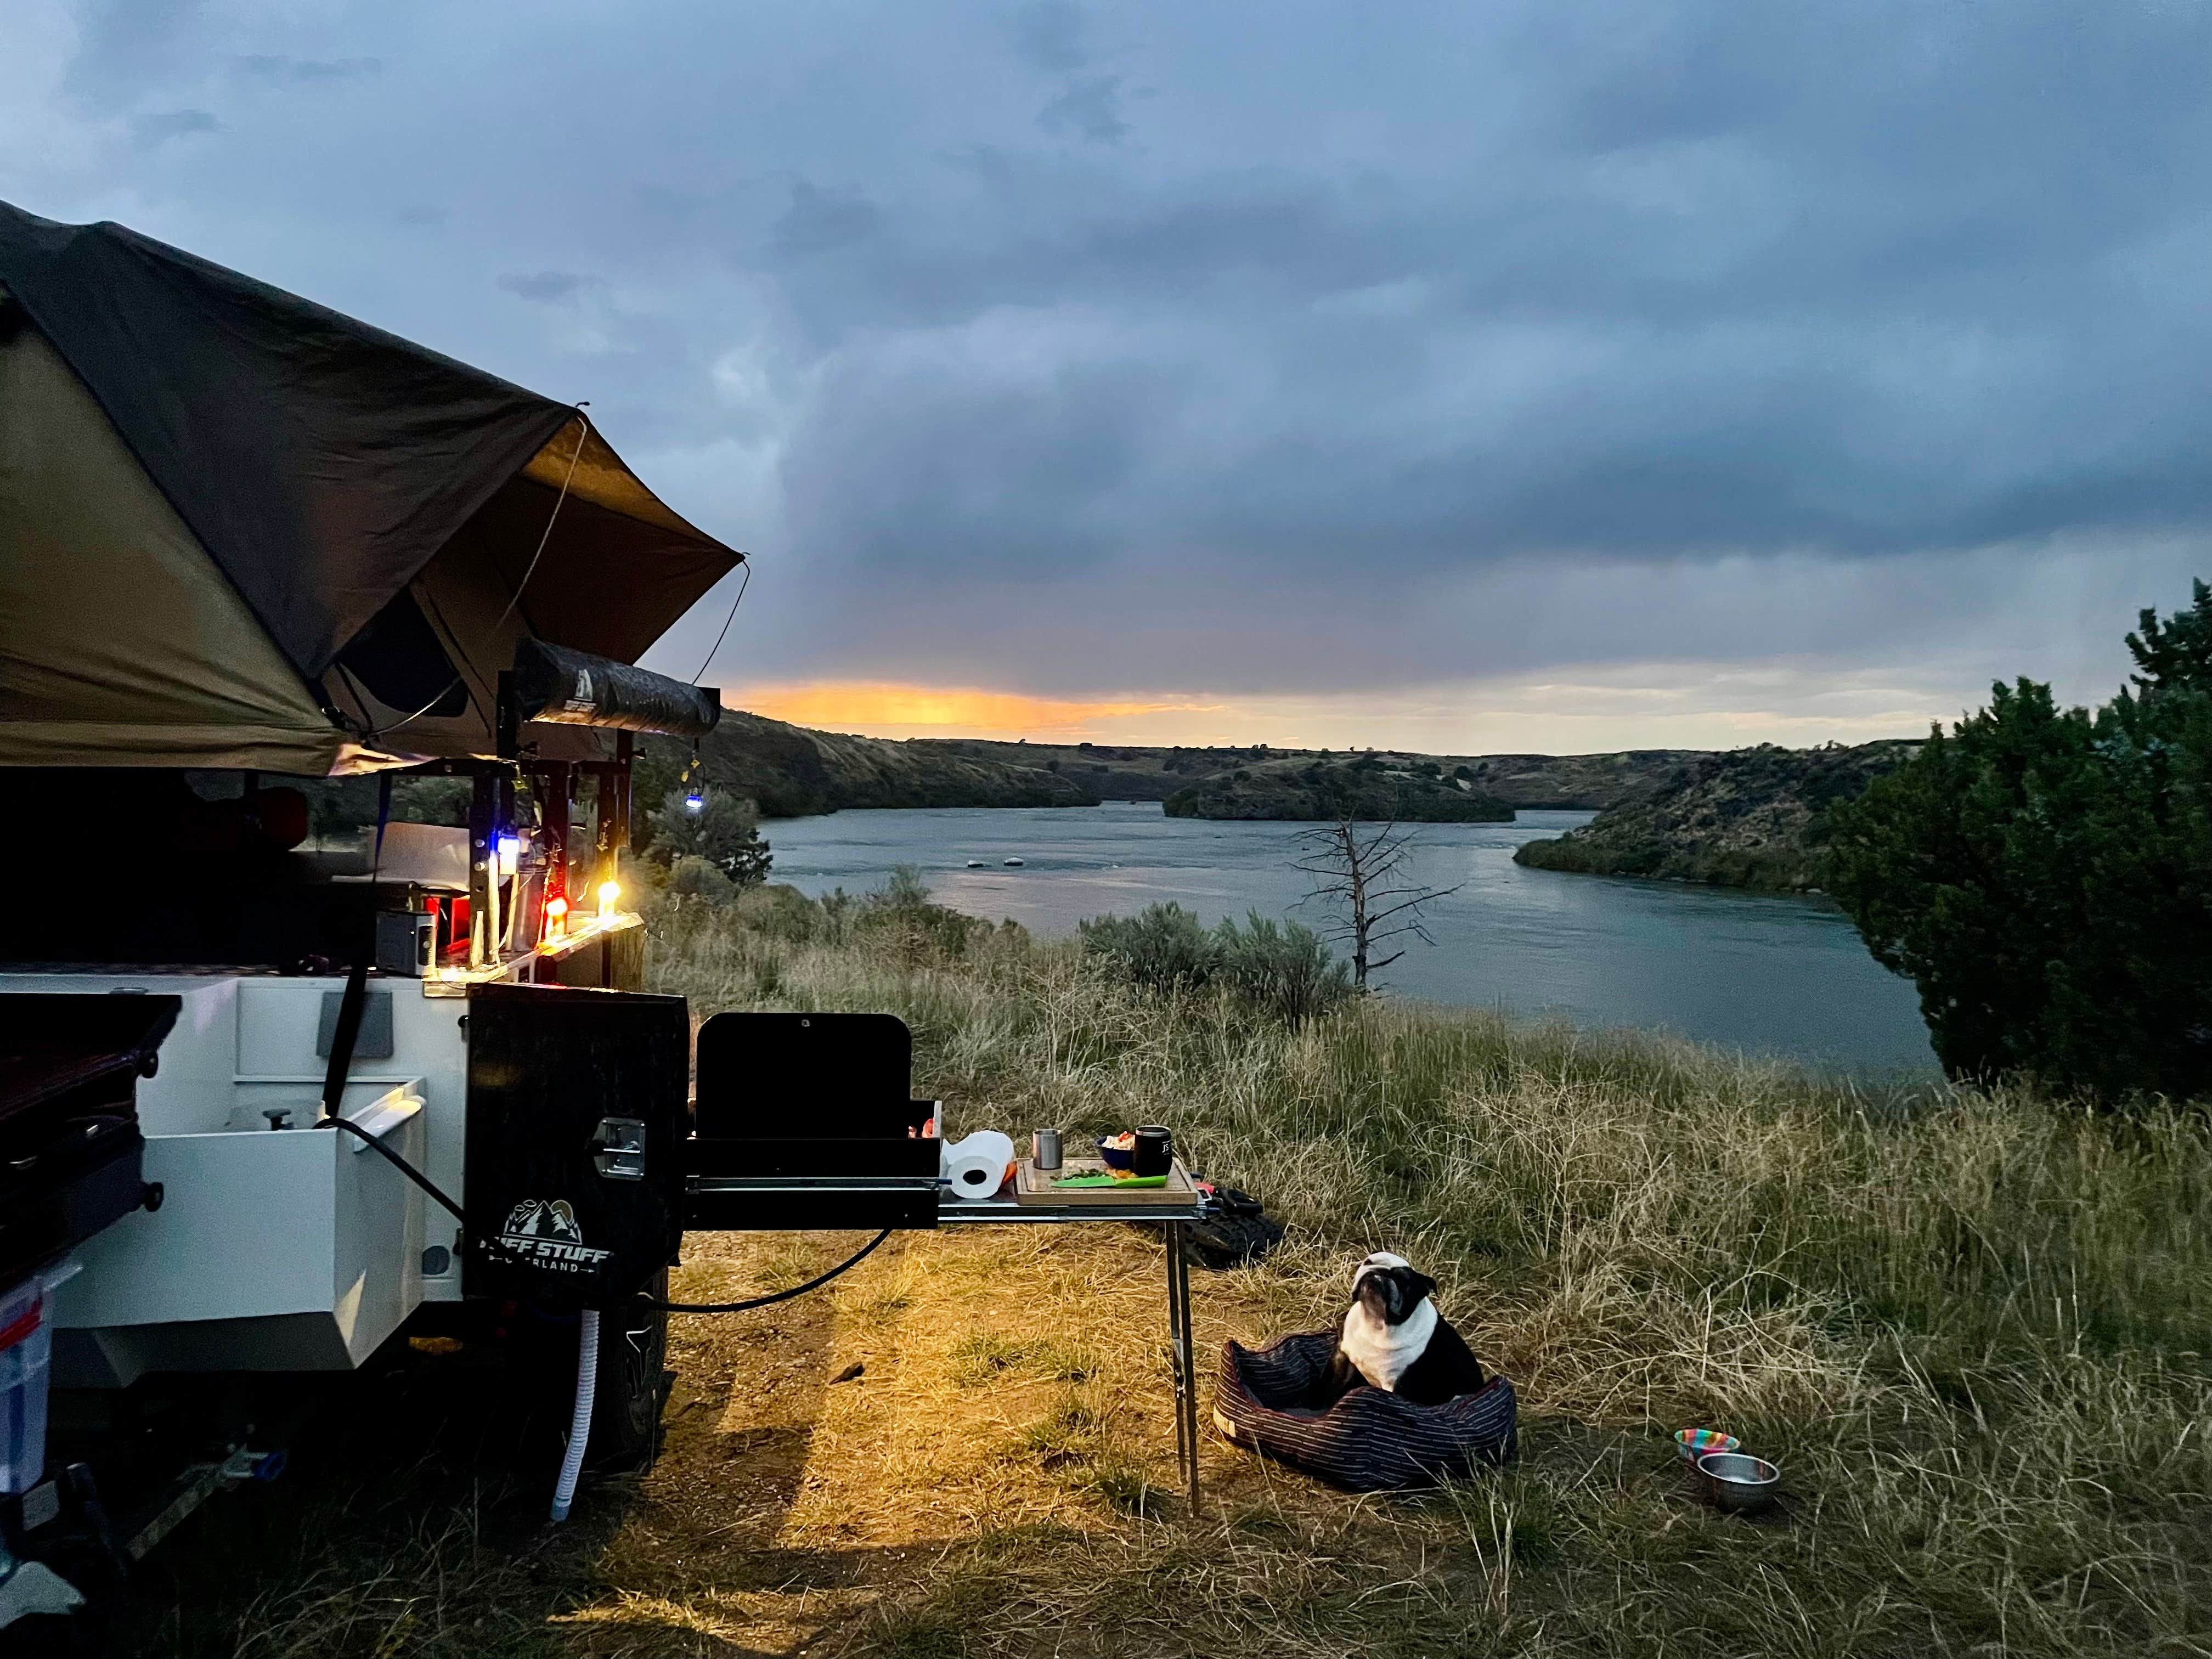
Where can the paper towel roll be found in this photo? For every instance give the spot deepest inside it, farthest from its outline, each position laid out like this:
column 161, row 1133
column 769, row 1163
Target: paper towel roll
column 977, row 1166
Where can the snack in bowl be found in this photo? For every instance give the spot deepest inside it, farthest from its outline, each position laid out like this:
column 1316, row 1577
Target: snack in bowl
column 1119, row 1152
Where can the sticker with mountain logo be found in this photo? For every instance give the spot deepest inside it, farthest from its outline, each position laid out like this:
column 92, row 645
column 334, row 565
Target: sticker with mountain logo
column 544, row 1232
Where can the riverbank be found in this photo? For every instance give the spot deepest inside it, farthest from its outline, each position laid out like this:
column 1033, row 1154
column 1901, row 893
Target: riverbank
column 1969, row 1326
column 1758, row 973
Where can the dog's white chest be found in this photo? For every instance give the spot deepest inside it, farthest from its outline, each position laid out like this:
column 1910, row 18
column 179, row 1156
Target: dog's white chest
column 1380, row 1352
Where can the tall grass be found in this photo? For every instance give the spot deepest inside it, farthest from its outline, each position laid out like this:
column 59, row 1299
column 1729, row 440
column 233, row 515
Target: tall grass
column 1976, row 1328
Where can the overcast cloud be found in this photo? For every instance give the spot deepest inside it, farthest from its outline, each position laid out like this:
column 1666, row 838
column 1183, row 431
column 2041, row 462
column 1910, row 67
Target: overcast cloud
column 1695, row 371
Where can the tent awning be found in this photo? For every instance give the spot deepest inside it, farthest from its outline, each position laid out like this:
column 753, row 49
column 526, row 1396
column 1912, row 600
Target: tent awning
column 253, row 529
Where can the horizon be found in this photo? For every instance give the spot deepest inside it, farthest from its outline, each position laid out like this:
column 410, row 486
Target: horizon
column 809, row 702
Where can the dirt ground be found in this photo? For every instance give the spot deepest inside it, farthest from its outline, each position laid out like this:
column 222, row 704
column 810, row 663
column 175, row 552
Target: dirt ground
column 961, row 1400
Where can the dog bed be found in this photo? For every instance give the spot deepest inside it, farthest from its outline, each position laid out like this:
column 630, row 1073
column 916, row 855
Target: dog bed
column 1369, row 1440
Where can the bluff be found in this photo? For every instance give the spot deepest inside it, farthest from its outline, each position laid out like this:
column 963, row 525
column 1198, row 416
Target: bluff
column 1362, row 789
column 1749, row 818
column 1121, row 771
column 792, row 771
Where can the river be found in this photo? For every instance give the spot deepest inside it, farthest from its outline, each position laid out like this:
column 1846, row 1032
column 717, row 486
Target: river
column 1768, row 976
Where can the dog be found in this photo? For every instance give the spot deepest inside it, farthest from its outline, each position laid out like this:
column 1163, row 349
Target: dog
column 1395, row 1339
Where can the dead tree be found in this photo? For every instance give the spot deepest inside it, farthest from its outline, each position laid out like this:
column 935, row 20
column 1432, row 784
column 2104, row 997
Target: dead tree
column 1359, row 873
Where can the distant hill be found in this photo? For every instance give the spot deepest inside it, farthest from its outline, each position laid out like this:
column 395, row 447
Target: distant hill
column 1315, row 790
column 1121, row 771
column 1750, row 818
column 792, row 771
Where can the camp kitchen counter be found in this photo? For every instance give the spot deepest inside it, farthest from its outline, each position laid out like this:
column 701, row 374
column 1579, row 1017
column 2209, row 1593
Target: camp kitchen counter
column 1006, row 1211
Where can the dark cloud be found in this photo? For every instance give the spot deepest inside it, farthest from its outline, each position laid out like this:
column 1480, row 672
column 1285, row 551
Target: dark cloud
column 1383, row 343
column 295, row 70
column 1090, row 106
column 546, row 288
column 148, row 131
column 1049, row 34
column 821, row 221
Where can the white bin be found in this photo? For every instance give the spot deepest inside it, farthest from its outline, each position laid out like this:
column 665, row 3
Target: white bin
column 27, row 1345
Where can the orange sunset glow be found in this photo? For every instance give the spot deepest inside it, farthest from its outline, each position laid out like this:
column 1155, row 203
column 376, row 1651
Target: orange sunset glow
column 880, row 710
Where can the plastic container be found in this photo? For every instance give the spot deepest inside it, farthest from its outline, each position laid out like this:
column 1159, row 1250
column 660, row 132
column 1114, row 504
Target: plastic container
column 27, row 1345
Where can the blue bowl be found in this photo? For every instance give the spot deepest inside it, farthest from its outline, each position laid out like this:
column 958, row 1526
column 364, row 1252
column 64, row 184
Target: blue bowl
column 1123, row 1159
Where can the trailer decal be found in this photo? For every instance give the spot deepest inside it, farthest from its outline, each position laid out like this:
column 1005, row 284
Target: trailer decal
column 545, row 1231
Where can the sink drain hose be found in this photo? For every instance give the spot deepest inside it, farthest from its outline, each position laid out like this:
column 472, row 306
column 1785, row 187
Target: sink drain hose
column 580, row 1423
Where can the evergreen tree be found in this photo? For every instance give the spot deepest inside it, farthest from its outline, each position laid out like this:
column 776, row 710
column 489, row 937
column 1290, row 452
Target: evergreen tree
column 2044, row 877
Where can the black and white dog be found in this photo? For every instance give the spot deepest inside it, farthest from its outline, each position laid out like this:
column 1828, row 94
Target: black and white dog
column 1394, row 1339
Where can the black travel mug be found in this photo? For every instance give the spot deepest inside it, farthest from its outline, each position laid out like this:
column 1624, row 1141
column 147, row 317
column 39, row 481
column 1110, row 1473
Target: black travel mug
column 1155, row 1153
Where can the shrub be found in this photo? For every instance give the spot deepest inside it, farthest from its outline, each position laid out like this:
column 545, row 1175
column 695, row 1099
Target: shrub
column 724, row 832
column 903, row 908
column 1277, row 969
column 1165, row 949
column 1280, row 967
column 695, row 878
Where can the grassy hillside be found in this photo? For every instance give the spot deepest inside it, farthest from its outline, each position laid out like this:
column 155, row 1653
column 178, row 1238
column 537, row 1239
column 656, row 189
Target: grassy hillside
column 1971, row 1326
column 1752, row 817
column 1133, row 772
column 794, row 771
column 1320, row 790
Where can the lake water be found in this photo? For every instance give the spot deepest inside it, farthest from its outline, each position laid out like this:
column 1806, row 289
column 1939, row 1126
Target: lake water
column 1764, row 974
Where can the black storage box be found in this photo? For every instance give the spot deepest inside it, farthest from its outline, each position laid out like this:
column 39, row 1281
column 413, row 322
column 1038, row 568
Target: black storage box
column 576, row 1118
column 807, row 1120
column 70, row 1150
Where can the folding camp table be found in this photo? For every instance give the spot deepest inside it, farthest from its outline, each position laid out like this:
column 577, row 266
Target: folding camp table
column 731, row 1196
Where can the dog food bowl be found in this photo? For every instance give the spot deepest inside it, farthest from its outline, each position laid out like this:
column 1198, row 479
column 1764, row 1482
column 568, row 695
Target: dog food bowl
column 1738, row 1481
column 1123, row 1159
column 1693, row 1444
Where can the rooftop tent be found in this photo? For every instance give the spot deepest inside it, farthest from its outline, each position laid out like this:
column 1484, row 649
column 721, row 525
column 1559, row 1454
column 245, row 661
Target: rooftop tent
column 238, row 530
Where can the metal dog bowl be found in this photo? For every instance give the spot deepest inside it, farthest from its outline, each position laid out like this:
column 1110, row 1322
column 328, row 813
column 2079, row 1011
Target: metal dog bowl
column 1738, row 1481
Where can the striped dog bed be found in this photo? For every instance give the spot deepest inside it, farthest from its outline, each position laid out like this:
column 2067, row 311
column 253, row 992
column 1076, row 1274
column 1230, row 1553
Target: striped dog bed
column 1369, row 1441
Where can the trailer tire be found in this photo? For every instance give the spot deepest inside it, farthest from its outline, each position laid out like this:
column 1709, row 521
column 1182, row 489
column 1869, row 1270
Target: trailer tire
column 633, row 1384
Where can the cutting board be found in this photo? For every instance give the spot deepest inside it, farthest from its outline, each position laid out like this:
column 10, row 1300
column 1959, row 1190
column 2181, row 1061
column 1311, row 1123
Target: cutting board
column 1033, row 1186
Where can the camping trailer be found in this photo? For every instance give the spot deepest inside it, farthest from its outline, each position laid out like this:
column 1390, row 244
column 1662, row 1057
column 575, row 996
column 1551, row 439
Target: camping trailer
column 264, row 1107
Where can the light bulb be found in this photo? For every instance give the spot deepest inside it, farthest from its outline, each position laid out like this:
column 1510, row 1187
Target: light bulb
column 610, row 894
column 510, row 854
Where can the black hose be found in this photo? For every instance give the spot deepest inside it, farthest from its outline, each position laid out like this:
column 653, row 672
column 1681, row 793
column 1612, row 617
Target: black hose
column 815, row 1284
column 431, row 1188
column 396, row 1161
column 344, row 1036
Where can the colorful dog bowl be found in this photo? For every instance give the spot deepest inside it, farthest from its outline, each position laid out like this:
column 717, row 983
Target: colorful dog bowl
column 1693, row 1444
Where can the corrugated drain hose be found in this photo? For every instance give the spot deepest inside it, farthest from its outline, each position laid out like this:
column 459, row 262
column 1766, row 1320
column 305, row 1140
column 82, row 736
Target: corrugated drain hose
column 580, row 1420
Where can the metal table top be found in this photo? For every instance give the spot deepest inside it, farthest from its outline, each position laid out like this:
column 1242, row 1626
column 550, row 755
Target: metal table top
column 952, row 1211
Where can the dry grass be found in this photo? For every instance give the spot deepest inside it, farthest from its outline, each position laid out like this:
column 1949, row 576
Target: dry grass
column 1975, row 1330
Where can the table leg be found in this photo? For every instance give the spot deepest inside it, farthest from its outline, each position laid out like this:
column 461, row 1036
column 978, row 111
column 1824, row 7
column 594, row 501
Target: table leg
column 1185, row 1369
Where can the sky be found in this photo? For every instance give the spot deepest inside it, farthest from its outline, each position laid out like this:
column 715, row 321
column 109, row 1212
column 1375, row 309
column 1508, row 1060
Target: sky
column 1573, row 375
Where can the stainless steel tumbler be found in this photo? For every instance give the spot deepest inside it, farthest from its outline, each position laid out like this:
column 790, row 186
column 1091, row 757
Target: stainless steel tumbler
column 1044, row 1149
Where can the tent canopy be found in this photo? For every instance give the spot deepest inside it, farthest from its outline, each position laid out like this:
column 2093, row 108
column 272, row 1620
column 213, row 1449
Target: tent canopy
column 244, row 530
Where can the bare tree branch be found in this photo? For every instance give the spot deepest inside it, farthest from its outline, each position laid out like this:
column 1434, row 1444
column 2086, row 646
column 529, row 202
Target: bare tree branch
column 1357, row 874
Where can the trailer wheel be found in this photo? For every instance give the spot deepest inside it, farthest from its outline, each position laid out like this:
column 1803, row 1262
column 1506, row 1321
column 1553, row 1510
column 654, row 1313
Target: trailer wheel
column 633, row 1385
